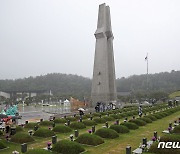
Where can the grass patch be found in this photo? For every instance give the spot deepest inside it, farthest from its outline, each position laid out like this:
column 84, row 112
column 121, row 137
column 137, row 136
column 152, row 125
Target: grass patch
column 120, row 128
column 44, row 132
column 21, row 137
column 107, row 133
column 77, row 125
column 67, row 147
column 89, row 139
column 62, row 129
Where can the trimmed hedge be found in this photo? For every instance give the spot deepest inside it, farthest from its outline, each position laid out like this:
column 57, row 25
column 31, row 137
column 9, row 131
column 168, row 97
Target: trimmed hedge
column 116, row 116
column 21, row 137
column 176, row 129
column 158, row 116
column 77, row 125
column 99, row 120
column 119, row 128
column 89, row 122
column 153, row 118
column 154, row 149
column 147, row 120
column 89, row 139
column 38, row 151
column 62, row 129
column 71, row 118
column 30, row 125
column 108, row 118
column 19, row 129
column 67, row 147
column 170, row 137
column 44, row 132
column 130, row 125
column 96, row 114
column 60, row 120
column 138, row 122
column 2, row 145
column 1, row 133
column 46, row 123
column 107, row 133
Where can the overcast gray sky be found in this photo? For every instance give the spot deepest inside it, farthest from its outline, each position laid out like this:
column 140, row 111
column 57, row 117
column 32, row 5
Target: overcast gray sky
column 46, row 36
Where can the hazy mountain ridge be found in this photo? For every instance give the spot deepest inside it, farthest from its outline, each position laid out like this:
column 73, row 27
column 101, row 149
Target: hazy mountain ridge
column 63, row 84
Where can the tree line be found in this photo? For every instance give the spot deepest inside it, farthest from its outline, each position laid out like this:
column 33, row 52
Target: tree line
column 80, row 87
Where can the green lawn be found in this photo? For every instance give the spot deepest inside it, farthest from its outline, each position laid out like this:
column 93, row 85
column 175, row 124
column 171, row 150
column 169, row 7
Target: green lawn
column 117, row 146
column 133, row 138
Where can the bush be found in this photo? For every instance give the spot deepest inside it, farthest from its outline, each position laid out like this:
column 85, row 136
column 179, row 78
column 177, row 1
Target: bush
column 1, row 133
column 99, row 120
column 71, row 118
column 147, row 120
column 44, row 132
column 89, row 139
column 119, row 128
column 176, row 129
column 154, row 149
column 2, row 145
column 107, row 133
column 19, row 129
column 89, row 122
column 138, row 122
column 130, row 125
column 170, row 137
column 96, row 114
column 108, row 118
column 38, row 151
column 21, row 138
column 60, row 120
column 67, row 147
column 87, row 115
column 153, row 118
column 62, row 129
column 77, row 125
column 46, row 123
column 116, row 116
column 31, row 125
column 158, row 116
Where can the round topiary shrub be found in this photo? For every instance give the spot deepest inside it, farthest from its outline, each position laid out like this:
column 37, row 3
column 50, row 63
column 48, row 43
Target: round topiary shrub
column 38, row 151
column 89, row 122
column 154, row 149
column 44, row 132
column 119, row 128
column 138, row 122
column 71, row 118
column 19, row 129
column 62, row 129
column 130, row 125
column 2, row 145
column 31, row 125
column 87, row 115
column 21, row 137
column 158, row 116
column 170, row 137
column 46, row 123
column 77, row 125
column 96, row 114
column 99, row 120
column 147, row 120
column 67, row 147
column 89, row 139
column 115, row 116
column 108, row 118
column 153, row 118
column 176, row 130
column 107, row 133
column 60, row 120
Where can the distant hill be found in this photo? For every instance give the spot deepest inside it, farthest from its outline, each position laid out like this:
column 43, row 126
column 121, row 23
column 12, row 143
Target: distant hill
column 78, row 86
column 164, row 81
